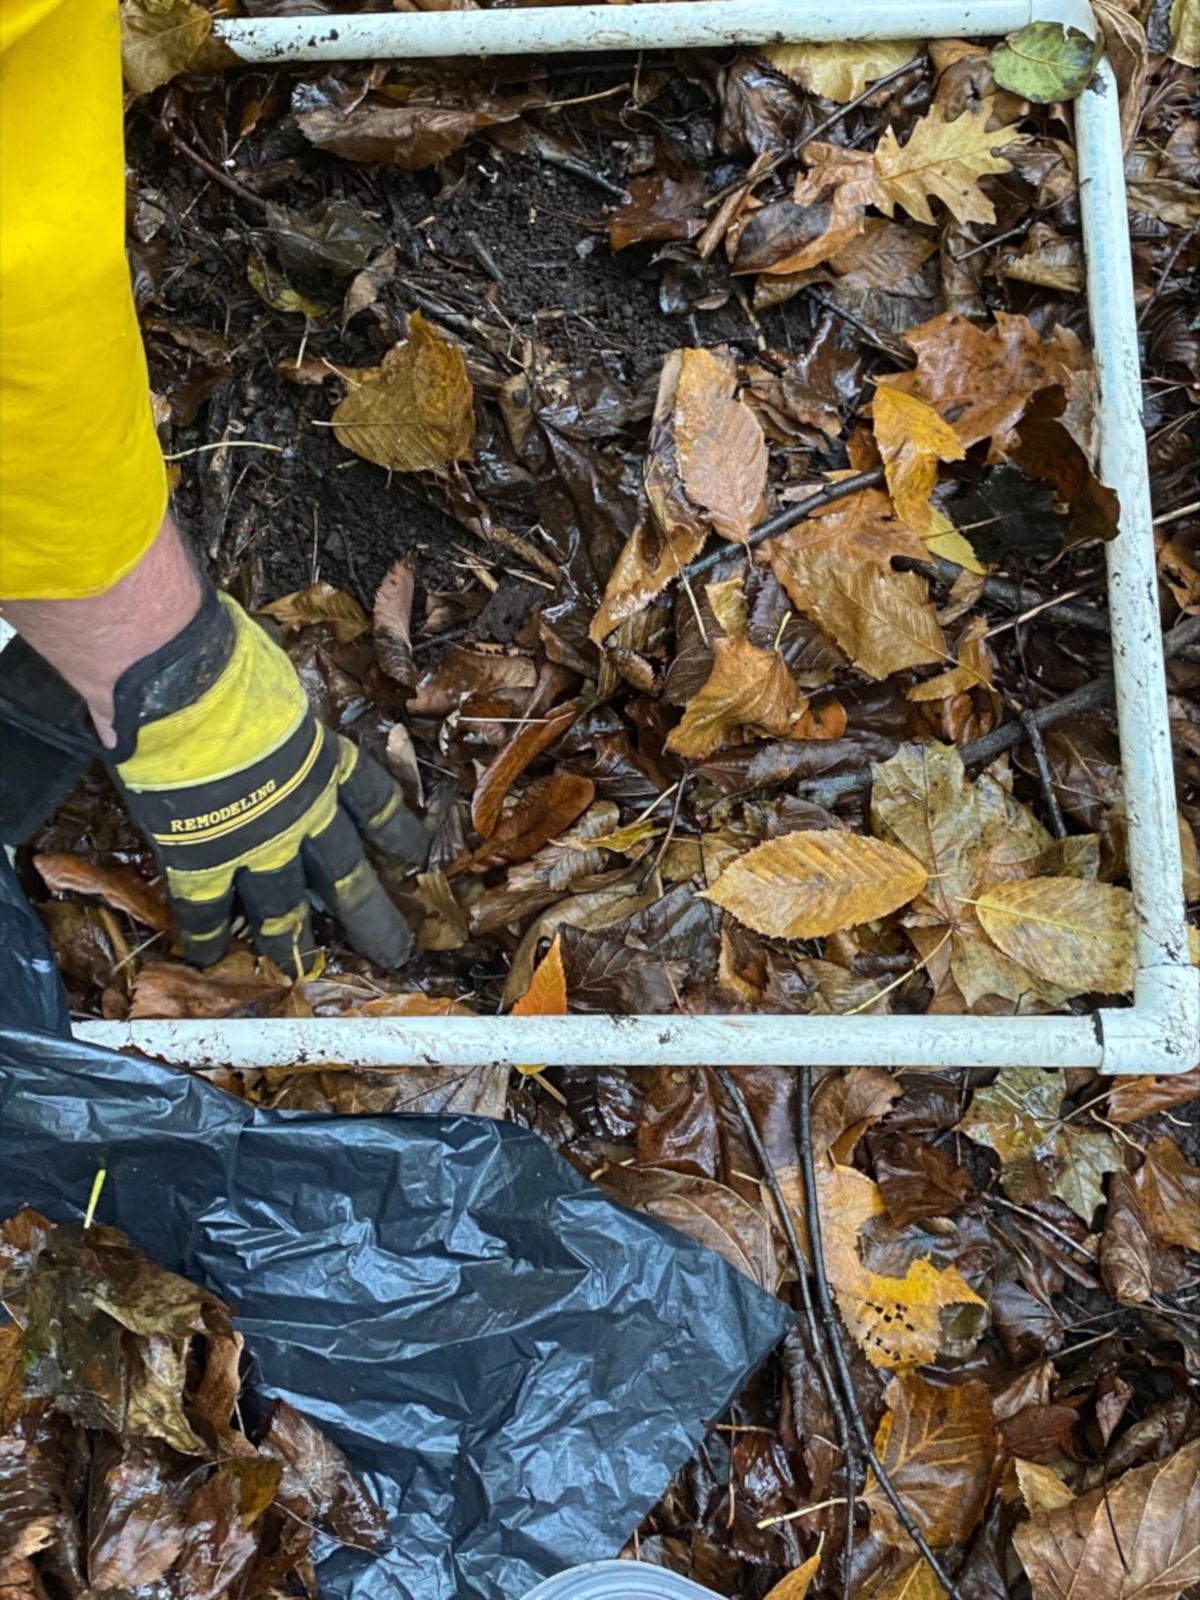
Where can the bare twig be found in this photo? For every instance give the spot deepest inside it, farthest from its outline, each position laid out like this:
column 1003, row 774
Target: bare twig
column 981, row 752
column 791, row 515
column 815, row 1340
column 213, row 171
column 829, row 1316
column 1045, row 777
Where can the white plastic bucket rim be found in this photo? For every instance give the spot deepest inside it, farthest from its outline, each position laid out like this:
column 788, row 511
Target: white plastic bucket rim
column 618, row 1580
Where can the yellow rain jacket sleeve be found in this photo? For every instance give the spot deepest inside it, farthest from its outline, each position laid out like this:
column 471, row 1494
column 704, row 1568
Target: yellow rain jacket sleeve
column 82, row 483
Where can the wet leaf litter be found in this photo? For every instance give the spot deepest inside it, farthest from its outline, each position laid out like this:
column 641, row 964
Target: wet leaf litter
column 534, row 358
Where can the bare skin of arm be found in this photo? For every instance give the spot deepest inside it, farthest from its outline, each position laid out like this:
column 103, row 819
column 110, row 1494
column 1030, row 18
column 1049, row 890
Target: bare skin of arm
column 92, row 641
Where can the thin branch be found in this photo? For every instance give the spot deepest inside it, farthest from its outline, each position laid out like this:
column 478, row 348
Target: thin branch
column 813, row 1328
column 825, row 1301
column 790, row 516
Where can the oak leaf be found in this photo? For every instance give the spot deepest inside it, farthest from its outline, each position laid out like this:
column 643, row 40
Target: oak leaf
column 1137, row 1538
column 944, row 159
column 749, row 694
column 808, row 884
column 1018, row 1116
column 722, row 451
column 938, row 1445
column 912, row 439
column 1076, row 933
column 416, row 410
column 895, row 1321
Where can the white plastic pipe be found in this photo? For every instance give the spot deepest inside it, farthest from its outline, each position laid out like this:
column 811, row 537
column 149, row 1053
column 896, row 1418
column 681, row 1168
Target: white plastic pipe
column 1160, row 1032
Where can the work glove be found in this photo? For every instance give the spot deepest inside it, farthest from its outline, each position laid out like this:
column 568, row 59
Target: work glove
column 243, row 794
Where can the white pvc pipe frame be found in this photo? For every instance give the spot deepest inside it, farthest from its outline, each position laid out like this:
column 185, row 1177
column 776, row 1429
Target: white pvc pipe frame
column 1160, row 1032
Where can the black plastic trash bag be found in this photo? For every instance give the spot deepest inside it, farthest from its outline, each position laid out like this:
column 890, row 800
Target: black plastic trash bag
column 516, row 1363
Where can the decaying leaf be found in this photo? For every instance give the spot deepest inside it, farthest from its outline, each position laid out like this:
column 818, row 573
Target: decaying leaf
column 1137, row 1538
column 1078, row 934
column 1040, row 1152
column 416, row 410
column 392, row 621
column 937, row 1444
column 808, row 884
column 722, row 451
column 749, row 694
column 897, row 1322
column 320, row 603
column 119, row 886
column 157, row 42
column 841, row 71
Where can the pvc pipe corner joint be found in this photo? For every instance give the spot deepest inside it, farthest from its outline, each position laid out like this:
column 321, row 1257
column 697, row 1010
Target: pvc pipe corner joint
column 1160, row 1031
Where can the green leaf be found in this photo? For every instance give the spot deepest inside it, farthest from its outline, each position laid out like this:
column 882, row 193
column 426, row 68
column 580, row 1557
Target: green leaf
column 1046, row 62
column 1019, row 1116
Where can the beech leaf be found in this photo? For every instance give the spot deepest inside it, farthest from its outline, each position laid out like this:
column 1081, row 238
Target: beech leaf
column 1073, row 931
column 749, row 694
column 808, row 884
column 840, row 71
column 546, row 995
column 912, row 439
column 416, row 410
column 722, row 451
column 320, row 603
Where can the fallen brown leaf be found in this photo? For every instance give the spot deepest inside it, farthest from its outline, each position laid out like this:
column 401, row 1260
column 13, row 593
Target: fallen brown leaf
column 416, row 410
column 938, row 1446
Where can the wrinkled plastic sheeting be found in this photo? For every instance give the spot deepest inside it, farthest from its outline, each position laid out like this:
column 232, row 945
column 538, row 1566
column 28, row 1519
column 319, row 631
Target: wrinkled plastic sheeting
column 516, row 1363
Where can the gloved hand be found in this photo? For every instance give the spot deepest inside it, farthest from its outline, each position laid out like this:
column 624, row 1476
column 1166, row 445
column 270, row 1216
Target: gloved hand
column 241, row 792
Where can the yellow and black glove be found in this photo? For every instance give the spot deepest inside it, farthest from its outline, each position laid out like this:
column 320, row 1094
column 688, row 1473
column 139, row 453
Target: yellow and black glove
column 242, row 793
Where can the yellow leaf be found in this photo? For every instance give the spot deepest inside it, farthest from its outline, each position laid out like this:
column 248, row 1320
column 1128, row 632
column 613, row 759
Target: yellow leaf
column 749, row 694
column 912, row 439
column 546, row 995
column 320, row 603
column 273, row 289
column 155, row 45
column 840, row 72
column 808, row 884
column 946, row 160
column 974, row 669
column 943, row 539
column 722, row 451
column 938, row 1444
column 798, row 1582
column 884, row 620
column 1185, row 32
column 895, row 1321
column 916, row 1582
column 1072, row 931
column 728, row 602
column 416, row 410
column 1041, row 1489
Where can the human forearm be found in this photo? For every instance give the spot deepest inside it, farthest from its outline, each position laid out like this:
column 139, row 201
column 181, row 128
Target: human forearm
column 92, row 641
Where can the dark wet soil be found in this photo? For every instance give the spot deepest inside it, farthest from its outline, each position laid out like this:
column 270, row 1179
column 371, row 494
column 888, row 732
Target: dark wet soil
column 495, row 241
